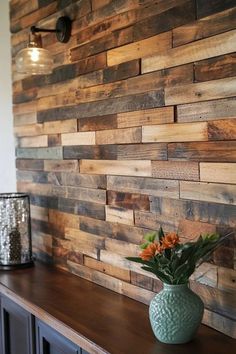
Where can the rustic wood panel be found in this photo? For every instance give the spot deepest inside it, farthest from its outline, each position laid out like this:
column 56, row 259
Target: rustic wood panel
column 210, row 110
column 134, row 129
column 218, row 172
column 205, row 27
column 212, row 151
column 175, row 132
column 135, row 168
column 202, row 49
column 139, row 49
column 210, row 192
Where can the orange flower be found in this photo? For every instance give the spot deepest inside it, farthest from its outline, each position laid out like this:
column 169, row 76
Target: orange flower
column 170, row 240
column 151, row 251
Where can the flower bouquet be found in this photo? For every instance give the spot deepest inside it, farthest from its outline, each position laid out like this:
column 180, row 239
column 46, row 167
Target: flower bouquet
column 175, row 312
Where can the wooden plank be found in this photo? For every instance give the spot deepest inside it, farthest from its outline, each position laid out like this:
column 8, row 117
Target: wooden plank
column 133, row 201
column 28, row 130
column 130, row 168
column 202, row 91
column 142, row 151
column 109, row 41
column 205, row 48
column 32, row 176
column 97, row 123
column 35, row 165
column 175, row 170
column 81, row 138
column 175, row 132
column 107, row 268
column 92, row 63
column 155, row 221
column 59, row 127
column 142, row 281
column 212, row 6
column 99, row 152
column 210, row 110
column 191, row 230
column 19, row 9
column 136, row 85
column 119, row 136
column 119, row 215
column 119, row 232
column 23, row 108
column 218, row 172
column 139, row 49
column 123, row 248
column 226, row 279
column 222, row 129
column 58, row 221
column 150, row 186
column 121, row 71
column 39, row 213
column 52, row 165
column 109, row 106
column 25, row 118
column 205, row 27
column 87, row 194
column 82, row 239
column 224, row 257
column 206, row 274
column 63, row 99
column 85, row 180
column 96, row 4
column 180, row 13
column 210, row 192
column 215, row 68
column 35, row 141
column 219, row 151
column 34, row 188
column 220, row 323
column 41, row 153
column 146, row 117
column 81, row 207
column 54, row 140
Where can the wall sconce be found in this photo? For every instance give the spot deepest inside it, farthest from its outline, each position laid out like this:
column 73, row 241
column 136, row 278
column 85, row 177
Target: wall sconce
column 34, row 59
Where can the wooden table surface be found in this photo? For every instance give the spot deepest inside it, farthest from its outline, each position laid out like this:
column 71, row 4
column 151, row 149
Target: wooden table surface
column 98, row 319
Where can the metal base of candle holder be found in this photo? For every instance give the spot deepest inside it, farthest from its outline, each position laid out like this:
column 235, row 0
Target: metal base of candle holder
column 16, row 266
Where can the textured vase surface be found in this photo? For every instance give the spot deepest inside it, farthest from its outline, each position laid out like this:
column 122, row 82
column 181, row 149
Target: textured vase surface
column 175, row 314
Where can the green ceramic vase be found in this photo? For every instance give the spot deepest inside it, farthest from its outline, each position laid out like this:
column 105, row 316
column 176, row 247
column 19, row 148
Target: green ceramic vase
column 175, row 314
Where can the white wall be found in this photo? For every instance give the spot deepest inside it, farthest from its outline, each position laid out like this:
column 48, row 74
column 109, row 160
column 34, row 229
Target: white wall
column 7, row 149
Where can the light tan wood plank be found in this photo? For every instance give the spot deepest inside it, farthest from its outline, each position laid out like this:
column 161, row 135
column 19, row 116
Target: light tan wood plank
column 34, row 141
column 175, row 132
column 139, row 49
column 28, row 130
column 226, row 279
column 81, row 138
column 63, row 165
column 118, row 136
column 218, row 172
column 39, row 213
column 58, row 127
column 126, row 168
column 146, row 117
column 205, row 48
column 209, row 192
column 119, row 215
column 203, row 91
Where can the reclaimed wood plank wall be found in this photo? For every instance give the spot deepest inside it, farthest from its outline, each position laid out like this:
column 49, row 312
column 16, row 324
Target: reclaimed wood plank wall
column 135, row 128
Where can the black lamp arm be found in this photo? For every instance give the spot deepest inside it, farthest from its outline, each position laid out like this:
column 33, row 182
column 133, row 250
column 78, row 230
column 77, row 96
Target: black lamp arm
column 35, row 29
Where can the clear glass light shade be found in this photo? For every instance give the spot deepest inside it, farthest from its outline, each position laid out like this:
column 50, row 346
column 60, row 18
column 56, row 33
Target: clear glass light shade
column 35, row 61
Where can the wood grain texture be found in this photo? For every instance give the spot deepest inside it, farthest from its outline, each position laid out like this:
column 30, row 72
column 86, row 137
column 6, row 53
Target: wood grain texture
column 202, row 49
column 119, row 136
column 83, row 138
column 175, row 132
column 139, row 49
column 218, row 172
column 120, row 215
column 136, row 168
column 216, row 193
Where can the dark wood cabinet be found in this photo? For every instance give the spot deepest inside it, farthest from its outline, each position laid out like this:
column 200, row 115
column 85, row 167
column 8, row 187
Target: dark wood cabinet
column 17, row 328
column 22, row 333
column 50, row 341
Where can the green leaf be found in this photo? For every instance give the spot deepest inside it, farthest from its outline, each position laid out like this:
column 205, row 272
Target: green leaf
column 150, row 236
column 138, row 260
column 144, row 245
column 160, row 233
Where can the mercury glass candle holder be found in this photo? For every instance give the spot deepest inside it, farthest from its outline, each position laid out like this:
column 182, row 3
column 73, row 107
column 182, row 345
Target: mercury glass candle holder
column 15, row 231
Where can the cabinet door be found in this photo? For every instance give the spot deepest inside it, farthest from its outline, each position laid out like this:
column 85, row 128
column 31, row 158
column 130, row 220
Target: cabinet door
column 50, row 341
column 17, row 328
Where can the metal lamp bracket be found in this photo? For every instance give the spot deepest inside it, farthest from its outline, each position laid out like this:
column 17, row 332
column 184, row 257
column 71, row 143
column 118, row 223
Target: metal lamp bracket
column 62, row 30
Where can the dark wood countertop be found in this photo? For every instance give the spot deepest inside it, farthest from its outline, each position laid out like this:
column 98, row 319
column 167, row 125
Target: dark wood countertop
column 95, row 318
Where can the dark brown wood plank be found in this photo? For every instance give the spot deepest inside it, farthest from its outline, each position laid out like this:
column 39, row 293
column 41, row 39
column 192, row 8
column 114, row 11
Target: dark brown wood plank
column 206, row 8
column 97, row 123
column 221, row 151
column 132, row 201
